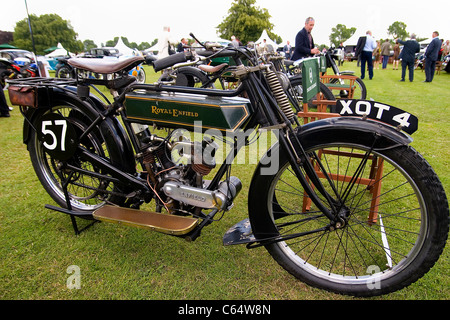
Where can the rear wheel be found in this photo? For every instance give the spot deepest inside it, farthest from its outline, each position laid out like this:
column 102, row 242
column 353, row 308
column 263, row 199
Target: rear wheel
column 393, row 222
column 87, row 186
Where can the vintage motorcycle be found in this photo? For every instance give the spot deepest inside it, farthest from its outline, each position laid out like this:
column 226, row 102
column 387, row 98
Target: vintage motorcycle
column 343, row 204
column 199, row 72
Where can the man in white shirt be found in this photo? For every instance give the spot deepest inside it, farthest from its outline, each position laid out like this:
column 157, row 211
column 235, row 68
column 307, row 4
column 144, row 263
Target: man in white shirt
column 164, row 43
column 366, row 55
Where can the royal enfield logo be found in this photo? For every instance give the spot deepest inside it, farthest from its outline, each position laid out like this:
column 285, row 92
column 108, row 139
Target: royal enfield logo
column 312, row 82
column 174, row 112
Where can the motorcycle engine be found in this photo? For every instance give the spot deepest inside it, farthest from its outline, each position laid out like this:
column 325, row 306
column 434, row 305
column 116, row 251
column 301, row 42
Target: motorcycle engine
column 178, row 168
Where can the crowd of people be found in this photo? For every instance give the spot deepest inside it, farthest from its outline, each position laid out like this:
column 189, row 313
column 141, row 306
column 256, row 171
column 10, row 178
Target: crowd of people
column 373, row 53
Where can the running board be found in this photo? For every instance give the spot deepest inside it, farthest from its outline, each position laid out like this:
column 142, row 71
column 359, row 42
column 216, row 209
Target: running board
column 164, row 223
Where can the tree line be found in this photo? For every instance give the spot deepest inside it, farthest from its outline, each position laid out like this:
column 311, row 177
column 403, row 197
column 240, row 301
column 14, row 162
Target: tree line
column 50, row 29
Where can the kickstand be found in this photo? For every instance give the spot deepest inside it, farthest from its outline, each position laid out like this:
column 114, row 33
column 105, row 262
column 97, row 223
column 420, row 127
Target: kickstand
column 65, row 183
column 75, row 225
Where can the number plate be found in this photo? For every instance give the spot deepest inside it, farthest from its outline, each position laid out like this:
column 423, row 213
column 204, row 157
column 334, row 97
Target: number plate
column 378, row 111
column 58, row 136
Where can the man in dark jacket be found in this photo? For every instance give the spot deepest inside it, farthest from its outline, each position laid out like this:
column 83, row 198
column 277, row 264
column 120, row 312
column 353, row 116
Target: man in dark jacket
column 408, row 56
column 364, row 50
column 431, row 55
column 304, row 43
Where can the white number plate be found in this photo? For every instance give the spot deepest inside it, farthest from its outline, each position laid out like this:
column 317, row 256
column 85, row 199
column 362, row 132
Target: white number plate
column 58, row 136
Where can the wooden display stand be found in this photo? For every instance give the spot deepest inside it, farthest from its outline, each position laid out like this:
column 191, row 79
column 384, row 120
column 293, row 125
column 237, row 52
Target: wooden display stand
column 337, row 85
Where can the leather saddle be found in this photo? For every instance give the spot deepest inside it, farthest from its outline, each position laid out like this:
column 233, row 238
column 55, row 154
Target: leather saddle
column 105, row 66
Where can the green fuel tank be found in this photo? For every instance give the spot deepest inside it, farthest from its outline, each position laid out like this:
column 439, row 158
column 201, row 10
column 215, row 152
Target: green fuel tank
column 187, row 110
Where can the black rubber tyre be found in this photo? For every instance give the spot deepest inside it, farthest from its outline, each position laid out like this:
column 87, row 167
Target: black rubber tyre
column 366, row 255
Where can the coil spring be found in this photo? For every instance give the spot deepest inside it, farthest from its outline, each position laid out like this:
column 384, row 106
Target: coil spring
column 279, row 93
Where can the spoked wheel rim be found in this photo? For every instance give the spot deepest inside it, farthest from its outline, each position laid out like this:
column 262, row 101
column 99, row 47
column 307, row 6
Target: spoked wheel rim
column 353, row 254
column 86, row 192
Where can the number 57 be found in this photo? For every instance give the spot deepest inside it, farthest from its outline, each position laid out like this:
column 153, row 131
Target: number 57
column 45, row 131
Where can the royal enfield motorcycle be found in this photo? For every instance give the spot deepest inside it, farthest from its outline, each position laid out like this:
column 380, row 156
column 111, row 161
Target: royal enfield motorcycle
column 343, row 204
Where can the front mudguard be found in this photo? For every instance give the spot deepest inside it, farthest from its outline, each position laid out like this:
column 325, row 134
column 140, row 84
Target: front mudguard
column 347, row 130
column 353, row 131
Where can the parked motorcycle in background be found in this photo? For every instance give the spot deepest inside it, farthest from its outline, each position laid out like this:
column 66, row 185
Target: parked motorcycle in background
column 17, row 64
column 63, row 69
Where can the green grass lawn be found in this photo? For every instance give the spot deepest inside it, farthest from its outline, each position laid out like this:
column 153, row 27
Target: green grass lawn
column 118, row 262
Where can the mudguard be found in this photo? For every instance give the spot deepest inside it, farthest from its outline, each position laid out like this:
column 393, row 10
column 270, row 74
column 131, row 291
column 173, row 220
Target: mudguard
column 186, row 76
column 121, row 152
column 354, row 130
column 348, row 130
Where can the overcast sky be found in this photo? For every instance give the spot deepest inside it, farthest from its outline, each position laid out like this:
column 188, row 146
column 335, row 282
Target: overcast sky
column 143, row 20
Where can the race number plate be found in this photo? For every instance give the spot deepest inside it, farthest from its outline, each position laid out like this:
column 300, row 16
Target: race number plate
column 378, row 111
column 58, row 136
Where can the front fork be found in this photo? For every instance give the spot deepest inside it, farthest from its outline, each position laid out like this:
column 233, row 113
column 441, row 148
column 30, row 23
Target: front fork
column 291, row 145
column 299, row 159
column 337, row 212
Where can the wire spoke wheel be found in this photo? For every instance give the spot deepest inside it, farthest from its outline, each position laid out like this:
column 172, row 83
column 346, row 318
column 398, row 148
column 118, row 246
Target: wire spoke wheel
column 382, row 240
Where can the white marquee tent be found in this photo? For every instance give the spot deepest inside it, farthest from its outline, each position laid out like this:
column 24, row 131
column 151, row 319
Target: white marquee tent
column 269, row 41
column 123, row 49
column 60, row 52
column 155, row 48
column 353, row 41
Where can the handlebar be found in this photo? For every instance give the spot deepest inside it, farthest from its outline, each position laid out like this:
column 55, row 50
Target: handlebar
column 181, row 57
column 163, row 63
column 219, row 54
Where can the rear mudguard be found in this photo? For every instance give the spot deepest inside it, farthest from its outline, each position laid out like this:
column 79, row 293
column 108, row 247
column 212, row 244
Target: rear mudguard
column 347, row 130
column 121, row 151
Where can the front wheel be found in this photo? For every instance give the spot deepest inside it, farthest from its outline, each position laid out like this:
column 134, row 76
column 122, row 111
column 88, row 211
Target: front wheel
column 393, row 222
